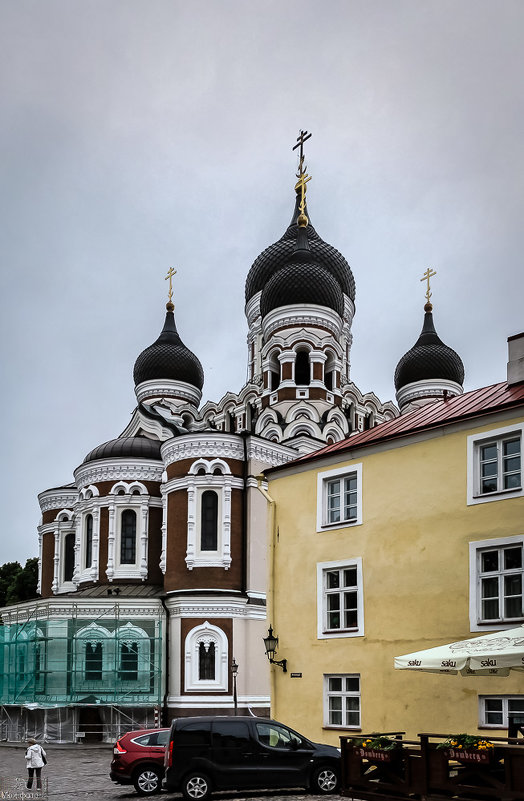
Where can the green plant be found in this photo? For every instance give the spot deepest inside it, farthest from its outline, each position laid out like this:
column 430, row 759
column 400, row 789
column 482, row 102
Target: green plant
column 377, row 742
column 466, row 742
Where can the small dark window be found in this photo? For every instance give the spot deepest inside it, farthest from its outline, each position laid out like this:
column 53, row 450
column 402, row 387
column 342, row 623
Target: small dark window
column 93, row 663
column 209, row 521
column 206, row 662
column 89, row 540
column 329, row 381
column 231, row 734
column 69, row 556
column 275, row 380
column 129, row 661
column 128, row 538
column 302, row 369
column 191, row 734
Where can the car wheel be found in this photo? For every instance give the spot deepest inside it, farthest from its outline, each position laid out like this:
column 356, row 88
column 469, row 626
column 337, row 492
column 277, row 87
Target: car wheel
column 196, row 787
column 324, row 780
column 147, row 781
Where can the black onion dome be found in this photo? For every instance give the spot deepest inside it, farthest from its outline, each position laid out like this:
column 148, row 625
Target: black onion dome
column 125, row 448
column 429, row 359
column 168, row 358
column 275, row 256
column 302, row 282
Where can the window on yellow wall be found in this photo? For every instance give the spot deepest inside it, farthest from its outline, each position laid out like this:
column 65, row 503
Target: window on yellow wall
column 339, row 497
column 340, row 599
column 500, row 573
column 342, row 700
column 498, row 711
column 495, row 465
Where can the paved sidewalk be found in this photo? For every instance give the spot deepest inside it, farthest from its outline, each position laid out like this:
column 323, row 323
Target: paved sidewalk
column 77, row 772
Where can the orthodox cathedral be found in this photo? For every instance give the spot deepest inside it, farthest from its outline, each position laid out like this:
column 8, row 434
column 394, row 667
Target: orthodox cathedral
column 153, row 560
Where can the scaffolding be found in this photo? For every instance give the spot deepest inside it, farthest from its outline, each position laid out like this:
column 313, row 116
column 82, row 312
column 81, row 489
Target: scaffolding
column 64, row 679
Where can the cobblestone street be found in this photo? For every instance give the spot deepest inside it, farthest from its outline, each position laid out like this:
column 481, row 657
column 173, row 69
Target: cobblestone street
column 78, row 772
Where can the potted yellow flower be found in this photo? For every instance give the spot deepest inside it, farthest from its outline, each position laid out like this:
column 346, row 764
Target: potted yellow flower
column 468, row 748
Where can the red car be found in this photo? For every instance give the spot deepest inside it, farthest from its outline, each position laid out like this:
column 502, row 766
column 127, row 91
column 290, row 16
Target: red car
column 138, row 758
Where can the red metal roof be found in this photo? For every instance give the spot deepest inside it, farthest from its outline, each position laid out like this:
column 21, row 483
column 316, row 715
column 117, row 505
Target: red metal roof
column 486, row 400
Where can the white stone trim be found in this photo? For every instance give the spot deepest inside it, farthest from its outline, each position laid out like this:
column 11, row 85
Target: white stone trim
column 200, row 607
column 167, row 388
column 272, row 453
column 307, row 315
column 221, row 702
column 57, row 499
column 118, row 469
column 82, row 608
column 194, row 446
column 419, row 392
column 206, row 634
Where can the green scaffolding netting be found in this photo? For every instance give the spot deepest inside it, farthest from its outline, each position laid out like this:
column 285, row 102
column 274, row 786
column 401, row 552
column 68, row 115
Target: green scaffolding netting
column 49, row 661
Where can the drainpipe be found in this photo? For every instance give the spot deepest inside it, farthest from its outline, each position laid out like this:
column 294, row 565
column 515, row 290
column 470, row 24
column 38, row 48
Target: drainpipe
column 245, row 473
column 272, row 538
column 166, row 640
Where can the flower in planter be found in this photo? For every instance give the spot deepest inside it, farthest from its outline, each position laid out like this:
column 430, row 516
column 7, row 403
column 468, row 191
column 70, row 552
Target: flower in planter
column 378, row 743
column 467, row 742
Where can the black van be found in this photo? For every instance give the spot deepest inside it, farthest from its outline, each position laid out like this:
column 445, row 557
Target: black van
column 245, row 753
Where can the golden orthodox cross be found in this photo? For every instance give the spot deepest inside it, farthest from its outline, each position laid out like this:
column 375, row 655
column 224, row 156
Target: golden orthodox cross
column 427, row 275
column 301, row 185
column 169, row 276
column 304, row 136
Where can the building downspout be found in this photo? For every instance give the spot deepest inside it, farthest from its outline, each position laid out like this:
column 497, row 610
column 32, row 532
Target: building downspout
column 272, row 540
column 165, row 721
column 245, row 473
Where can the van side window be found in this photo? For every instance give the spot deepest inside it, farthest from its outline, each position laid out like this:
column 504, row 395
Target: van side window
column 277, row 736
column 192, row 734
column 230, row 734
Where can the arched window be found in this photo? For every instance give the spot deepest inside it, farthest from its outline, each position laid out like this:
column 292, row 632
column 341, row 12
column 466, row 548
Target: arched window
column 93, row 661
column 69, row 556
column 89, row 540
column 302, row 369
column 129, row 661
column 128, row 538
column 209, row 521
column 206, row 661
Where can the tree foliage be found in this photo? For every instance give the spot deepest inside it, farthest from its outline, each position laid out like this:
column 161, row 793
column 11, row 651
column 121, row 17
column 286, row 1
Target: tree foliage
column 18, row 583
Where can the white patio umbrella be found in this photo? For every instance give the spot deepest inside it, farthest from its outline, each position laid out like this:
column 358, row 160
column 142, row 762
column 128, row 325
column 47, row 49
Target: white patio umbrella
column 493, row 654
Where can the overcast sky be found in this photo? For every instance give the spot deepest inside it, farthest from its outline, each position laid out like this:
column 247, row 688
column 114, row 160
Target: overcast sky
column 137, row 135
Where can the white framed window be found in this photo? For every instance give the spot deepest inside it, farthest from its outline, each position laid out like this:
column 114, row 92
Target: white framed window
column 339, row 497
column 209, row 494
column 495, row 711
column 127, row 540
column 342, row 700
column 206, row 659
column 496, row 583
column 340, row 608
column 495, row 465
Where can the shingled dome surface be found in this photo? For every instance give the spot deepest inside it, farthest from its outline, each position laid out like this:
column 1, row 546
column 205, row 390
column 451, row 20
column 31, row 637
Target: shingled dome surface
column 168, row 358
column 429, row 359
column 125, row 448
column 278, row 254
column 302, row 282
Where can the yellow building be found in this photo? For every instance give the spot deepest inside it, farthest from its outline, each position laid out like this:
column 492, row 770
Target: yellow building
column 400, row 538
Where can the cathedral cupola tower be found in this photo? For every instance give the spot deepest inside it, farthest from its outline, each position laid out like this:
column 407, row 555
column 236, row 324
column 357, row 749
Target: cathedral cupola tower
column 430, row 370
column 167, row 369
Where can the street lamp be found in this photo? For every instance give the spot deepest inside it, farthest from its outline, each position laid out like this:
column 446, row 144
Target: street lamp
column 271, row 644
column 234, row 671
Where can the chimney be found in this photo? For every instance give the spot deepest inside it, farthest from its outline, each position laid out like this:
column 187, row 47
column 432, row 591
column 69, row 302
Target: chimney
column 516, row 359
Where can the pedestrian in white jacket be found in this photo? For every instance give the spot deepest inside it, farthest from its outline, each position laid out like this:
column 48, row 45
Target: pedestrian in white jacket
column 35, row 758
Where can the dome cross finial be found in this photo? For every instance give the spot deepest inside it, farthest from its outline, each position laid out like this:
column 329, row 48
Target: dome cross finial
column 427, row 275
column 169, row 277
column 303, row 178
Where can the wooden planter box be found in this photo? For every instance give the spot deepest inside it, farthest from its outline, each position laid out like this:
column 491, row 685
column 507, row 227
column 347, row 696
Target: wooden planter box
column 378, row 754
column 470, row 757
